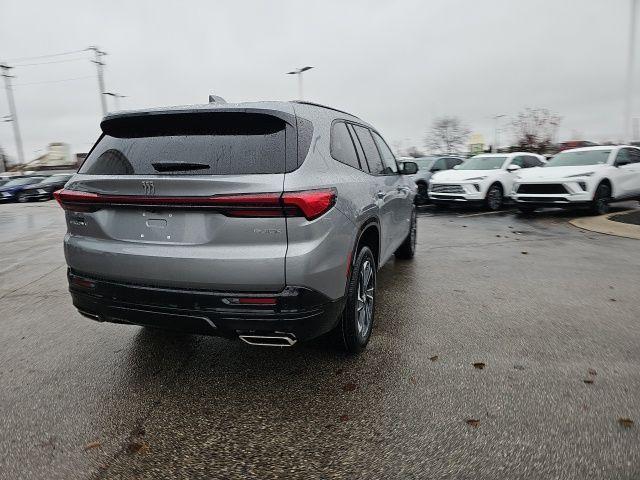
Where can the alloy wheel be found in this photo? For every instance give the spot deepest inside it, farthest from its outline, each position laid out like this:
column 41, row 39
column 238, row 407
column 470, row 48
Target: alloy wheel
column 365, row 299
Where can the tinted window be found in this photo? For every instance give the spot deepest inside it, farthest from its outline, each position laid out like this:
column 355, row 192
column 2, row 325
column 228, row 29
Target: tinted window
column 625, row 155
column 518, row 161
column 388, row 158
column 189, row 144
column 530, row 162
column 342, row 148
column 370, row 150
column 634, row 153
column 440, row 164
column 23, row 181
column 452, row 162
column 363, row 161
column 485, row 162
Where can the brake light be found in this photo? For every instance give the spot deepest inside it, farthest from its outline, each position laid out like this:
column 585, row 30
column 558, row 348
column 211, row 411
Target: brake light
column 311, row 203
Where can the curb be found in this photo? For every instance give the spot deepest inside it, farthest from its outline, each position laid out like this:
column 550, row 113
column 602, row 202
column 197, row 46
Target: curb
column 603, row 224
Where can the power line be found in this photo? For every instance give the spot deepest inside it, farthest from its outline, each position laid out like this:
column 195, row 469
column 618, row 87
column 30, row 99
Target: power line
column 38, row 57
column 54, row 81
column 47, row 63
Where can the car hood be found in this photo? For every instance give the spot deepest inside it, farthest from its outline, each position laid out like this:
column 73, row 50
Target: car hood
column 462, row 175
column 554, row 173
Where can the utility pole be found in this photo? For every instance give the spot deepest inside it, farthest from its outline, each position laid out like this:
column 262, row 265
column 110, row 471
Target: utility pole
column 630, row 67
column 12, row 108
column 298, row 72
column 494, row 149
column 100, row 65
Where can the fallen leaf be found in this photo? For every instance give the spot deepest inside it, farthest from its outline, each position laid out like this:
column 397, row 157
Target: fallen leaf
column 343, row 418
column 588, row 381
column 518, row 367
column 138, row 446
column 434, row 358
column 349, row 387
column 592, row 371
column 472, row 422
column 612, row 300
column 91, row 445
column 479, row 365
column 498, row 236
column 412, row 380
column 625, row 422
column 524, row 252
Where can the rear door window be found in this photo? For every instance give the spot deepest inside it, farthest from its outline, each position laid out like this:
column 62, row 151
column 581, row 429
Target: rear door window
column 531, row 161
column 388, row 158
column 370, row 150
column 452, row 162
column 190, row 144
column 342, row 148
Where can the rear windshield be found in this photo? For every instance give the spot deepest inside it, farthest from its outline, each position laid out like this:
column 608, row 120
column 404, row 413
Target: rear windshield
column 189, row 144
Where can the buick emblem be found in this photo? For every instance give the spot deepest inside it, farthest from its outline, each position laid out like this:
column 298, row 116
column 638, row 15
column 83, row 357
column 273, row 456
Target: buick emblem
column 148, row 188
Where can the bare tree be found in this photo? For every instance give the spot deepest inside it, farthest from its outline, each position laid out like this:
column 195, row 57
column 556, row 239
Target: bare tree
column 535, row 129
column 447, row 135
column 414, row 152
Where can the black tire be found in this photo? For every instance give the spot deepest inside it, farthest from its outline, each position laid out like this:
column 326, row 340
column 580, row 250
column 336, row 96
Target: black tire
column 407, row 250
column 494, row 198
column 601, row 199
column 527, row 210
column 422, row 194
column 354, row 330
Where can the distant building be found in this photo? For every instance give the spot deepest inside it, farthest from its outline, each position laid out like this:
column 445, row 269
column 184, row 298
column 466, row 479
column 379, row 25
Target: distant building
column 57, row 157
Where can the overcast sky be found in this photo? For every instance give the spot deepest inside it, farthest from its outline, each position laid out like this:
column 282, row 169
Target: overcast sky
column 397, row 64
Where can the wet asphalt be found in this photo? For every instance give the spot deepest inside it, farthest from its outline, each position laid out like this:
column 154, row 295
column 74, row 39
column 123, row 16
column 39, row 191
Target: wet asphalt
column 543, row 305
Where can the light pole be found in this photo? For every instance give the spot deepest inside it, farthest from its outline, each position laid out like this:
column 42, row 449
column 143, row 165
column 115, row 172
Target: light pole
column 298, row 72
column 12, row 109
column 630, row 61
column 116, row 97
column 100, row 65
column 494, row 149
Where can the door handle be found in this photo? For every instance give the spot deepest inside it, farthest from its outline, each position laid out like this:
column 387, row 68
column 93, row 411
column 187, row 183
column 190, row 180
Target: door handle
column 380, row 194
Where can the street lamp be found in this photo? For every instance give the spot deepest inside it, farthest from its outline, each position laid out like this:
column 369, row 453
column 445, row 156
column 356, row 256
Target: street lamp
column 117, row 98
column 494, row 149
column 630, row 60
column 298, row 72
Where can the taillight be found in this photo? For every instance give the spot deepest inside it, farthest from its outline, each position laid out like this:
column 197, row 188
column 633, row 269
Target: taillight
column 311, row 203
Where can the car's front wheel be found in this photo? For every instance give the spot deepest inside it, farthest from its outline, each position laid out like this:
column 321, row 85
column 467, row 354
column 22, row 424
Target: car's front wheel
column 422, row 194
column 494, row 197
column 356, row 322
column 601, row 199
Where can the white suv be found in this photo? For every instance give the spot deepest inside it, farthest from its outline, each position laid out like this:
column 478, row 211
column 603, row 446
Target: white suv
column 591, row 177
column 484, row 179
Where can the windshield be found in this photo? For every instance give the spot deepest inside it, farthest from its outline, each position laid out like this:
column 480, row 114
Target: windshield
column 483, row 163
column 56, row 179
column 424, row 163
column 22, row 181
column 577, row 158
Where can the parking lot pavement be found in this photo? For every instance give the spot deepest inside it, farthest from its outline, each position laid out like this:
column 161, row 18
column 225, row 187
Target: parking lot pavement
column 543, row 305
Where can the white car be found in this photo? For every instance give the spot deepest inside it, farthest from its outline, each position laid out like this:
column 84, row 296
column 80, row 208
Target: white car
column 590, row 176
column 484, row 179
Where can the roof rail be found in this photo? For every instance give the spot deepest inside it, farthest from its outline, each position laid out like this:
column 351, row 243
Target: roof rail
column 324, row 106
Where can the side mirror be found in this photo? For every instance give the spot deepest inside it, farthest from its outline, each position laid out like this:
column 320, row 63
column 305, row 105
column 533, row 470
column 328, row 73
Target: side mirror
column 622, row 162
column 409, row 168
column 513, row 168
column 455, row 167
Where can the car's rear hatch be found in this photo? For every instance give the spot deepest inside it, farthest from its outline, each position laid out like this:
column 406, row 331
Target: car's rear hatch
column 185, row 200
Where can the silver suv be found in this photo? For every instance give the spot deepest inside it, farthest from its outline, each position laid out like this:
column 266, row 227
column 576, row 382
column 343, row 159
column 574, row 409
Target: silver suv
column 265, row 221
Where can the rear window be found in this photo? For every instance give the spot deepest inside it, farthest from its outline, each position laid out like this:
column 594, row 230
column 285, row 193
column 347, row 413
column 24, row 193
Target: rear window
column 190, row 144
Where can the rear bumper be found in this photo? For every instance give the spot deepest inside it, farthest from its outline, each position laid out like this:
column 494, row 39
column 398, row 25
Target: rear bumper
column 298, row 312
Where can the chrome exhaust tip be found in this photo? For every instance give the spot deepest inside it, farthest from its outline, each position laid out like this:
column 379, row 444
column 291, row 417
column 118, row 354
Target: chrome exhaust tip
column 275, row 340
column 91, row 316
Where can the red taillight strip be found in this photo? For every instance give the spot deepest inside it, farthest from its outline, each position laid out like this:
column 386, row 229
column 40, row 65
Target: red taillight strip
column 311, row 203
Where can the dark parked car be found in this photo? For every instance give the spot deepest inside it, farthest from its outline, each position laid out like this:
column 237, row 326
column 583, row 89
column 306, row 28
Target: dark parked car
column 427, row 166
column 44, row 190
column 12, row 190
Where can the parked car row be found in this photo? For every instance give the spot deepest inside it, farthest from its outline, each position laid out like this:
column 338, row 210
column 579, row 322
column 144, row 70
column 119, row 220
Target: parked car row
column 27, row 189
column 589, row 177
